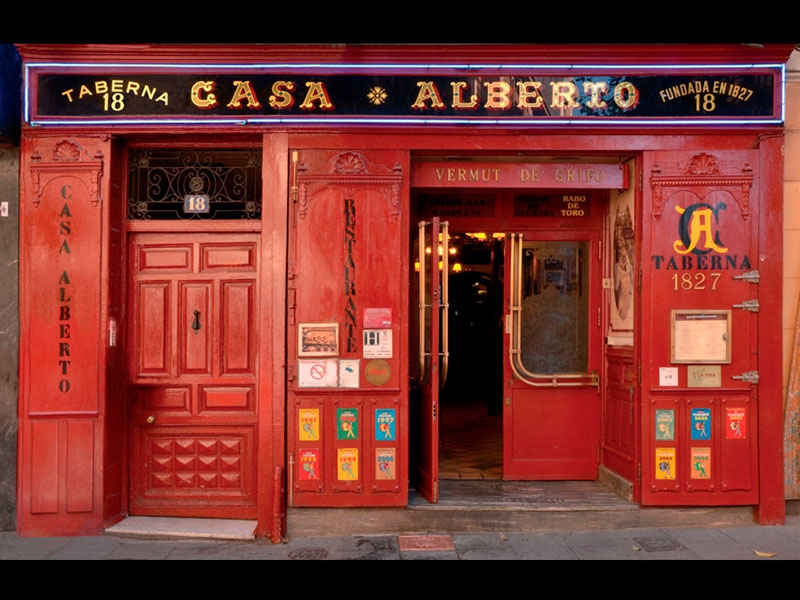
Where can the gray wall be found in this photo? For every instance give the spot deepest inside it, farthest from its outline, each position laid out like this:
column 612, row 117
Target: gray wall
column 9, row 334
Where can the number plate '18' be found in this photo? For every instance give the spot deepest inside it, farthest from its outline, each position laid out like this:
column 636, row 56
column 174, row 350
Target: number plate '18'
column 195, row 203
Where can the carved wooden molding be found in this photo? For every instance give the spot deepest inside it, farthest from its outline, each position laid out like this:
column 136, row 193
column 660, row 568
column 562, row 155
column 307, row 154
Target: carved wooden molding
column 66, row 158
column 701, row 177
column 351, row 171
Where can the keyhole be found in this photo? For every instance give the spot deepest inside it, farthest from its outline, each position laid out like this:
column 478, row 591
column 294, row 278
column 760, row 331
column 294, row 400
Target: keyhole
column 196, row 321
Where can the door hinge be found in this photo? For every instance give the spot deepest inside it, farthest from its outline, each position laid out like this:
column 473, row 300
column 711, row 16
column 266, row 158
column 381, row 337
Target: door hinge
column 290, row 373
column 751, row 276
column 751, row 305
column 639, row 475
column 632, row 391
column 749, row 377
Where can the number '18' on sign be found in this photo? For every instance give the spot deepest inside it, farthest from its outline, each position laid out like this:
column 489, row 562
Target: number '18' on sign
column 195, row 203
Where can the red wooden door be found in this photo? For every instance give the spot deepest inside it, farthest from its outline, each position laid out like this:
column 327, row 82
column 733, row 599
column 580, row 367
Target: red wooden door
column 551, row 399
column 347, row 332
column 192, row 372
column 431, row 351
column 703, row 283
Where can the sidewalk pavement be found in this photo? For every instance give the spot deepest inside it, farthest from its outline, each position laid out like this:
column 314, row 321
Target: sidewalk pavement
column 729, row 543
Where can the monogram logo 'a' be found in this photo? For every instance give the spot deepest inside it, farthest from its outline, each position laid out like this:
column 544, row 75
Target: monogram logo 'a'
column 697, row 222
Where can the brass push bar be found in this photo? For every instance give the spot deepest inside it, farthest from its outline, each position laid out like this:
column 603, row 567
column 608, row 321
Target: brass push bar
column 439, row 289
column 444, row 305
column 422, row 305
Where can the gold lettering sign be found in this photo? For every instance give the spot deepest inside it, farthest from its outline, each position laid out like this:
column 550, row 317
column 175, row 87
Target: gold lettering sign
column 520, row 175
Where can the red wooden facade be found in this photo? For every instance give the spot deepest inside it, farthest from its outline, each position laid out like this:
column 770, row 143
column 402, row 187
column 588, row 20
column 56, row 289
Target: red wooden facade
column 236, row 367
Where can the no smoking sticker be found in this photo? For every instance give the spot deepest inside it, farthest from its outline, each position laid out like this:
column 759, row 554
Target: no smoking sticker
column 318, row 373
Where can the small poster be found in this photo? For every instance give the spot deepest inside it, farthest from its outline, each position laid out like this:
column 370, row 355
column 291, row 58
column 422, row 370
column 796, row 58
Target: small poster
column 347, row 460
column 385, row 463
column 701, row 463
column 665, row 424
column 308, row 424
column 665, row 463
column 668, row 376
column 377, row 318
column 384, row 424
column 735, row 424
column 347, row 423
column 349, row 372
column 377, row 343
column 308, row 464
column 701, row 423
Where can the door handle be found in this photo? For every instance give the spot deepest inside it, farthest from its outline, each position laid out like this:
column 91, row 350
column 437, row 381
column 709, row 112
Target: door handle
column 196, row 321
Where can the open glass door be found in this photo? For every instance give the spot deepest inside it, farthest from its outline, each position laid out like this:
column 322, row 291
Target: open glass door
column 430, row 372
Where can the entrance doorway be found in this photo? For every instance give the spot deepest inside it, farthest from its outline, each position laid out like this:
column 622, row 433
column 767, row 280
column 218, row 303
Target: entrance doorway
column 471, row 417
column 516, row 307
column 192, row 331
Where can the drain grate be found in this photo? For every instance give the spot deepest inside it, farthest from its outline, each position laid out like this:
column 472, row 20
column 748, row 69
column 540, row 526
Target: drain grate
column 658, row 544
column 408, row 543
column 308, row 554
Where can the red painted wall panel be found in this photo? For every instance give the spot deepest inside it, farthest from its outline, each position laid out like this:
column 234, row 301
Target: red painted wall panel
column 44, row 481
column 63, row 286
column 79, row 469
column 63, row 303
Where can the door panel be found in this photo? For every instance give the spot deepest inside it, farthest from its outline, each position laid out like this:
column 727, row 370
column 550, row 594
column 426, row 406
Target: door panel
column 193, row 306
column 195, row 298
column 431, row 345
column 551, row 415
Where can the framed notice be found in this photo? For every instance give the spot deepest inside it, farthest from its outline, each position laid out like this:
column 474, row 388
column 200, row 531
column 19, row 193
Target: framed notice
column 701, row 336
column 318, row 339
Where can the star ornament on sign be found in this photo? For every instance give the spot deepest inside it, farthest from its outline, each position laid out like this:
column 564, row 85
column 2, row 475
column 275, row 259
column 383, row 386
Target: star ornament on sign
column 377, row 95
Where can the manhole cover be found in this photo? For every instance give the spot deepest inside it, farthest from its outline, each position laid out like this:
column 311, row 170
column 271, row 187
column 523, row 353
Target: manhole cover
column 658, row 544
column 308, row 554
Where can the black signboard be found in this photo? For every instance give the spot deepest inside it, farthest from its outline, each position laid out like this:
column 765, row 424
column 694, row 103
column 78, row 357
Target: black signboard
column 752, row 95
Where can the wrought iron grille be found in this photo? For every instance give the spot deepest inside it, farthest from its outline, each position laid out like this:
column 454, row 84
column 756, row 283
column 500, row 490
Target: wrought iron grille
column 169, row 184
